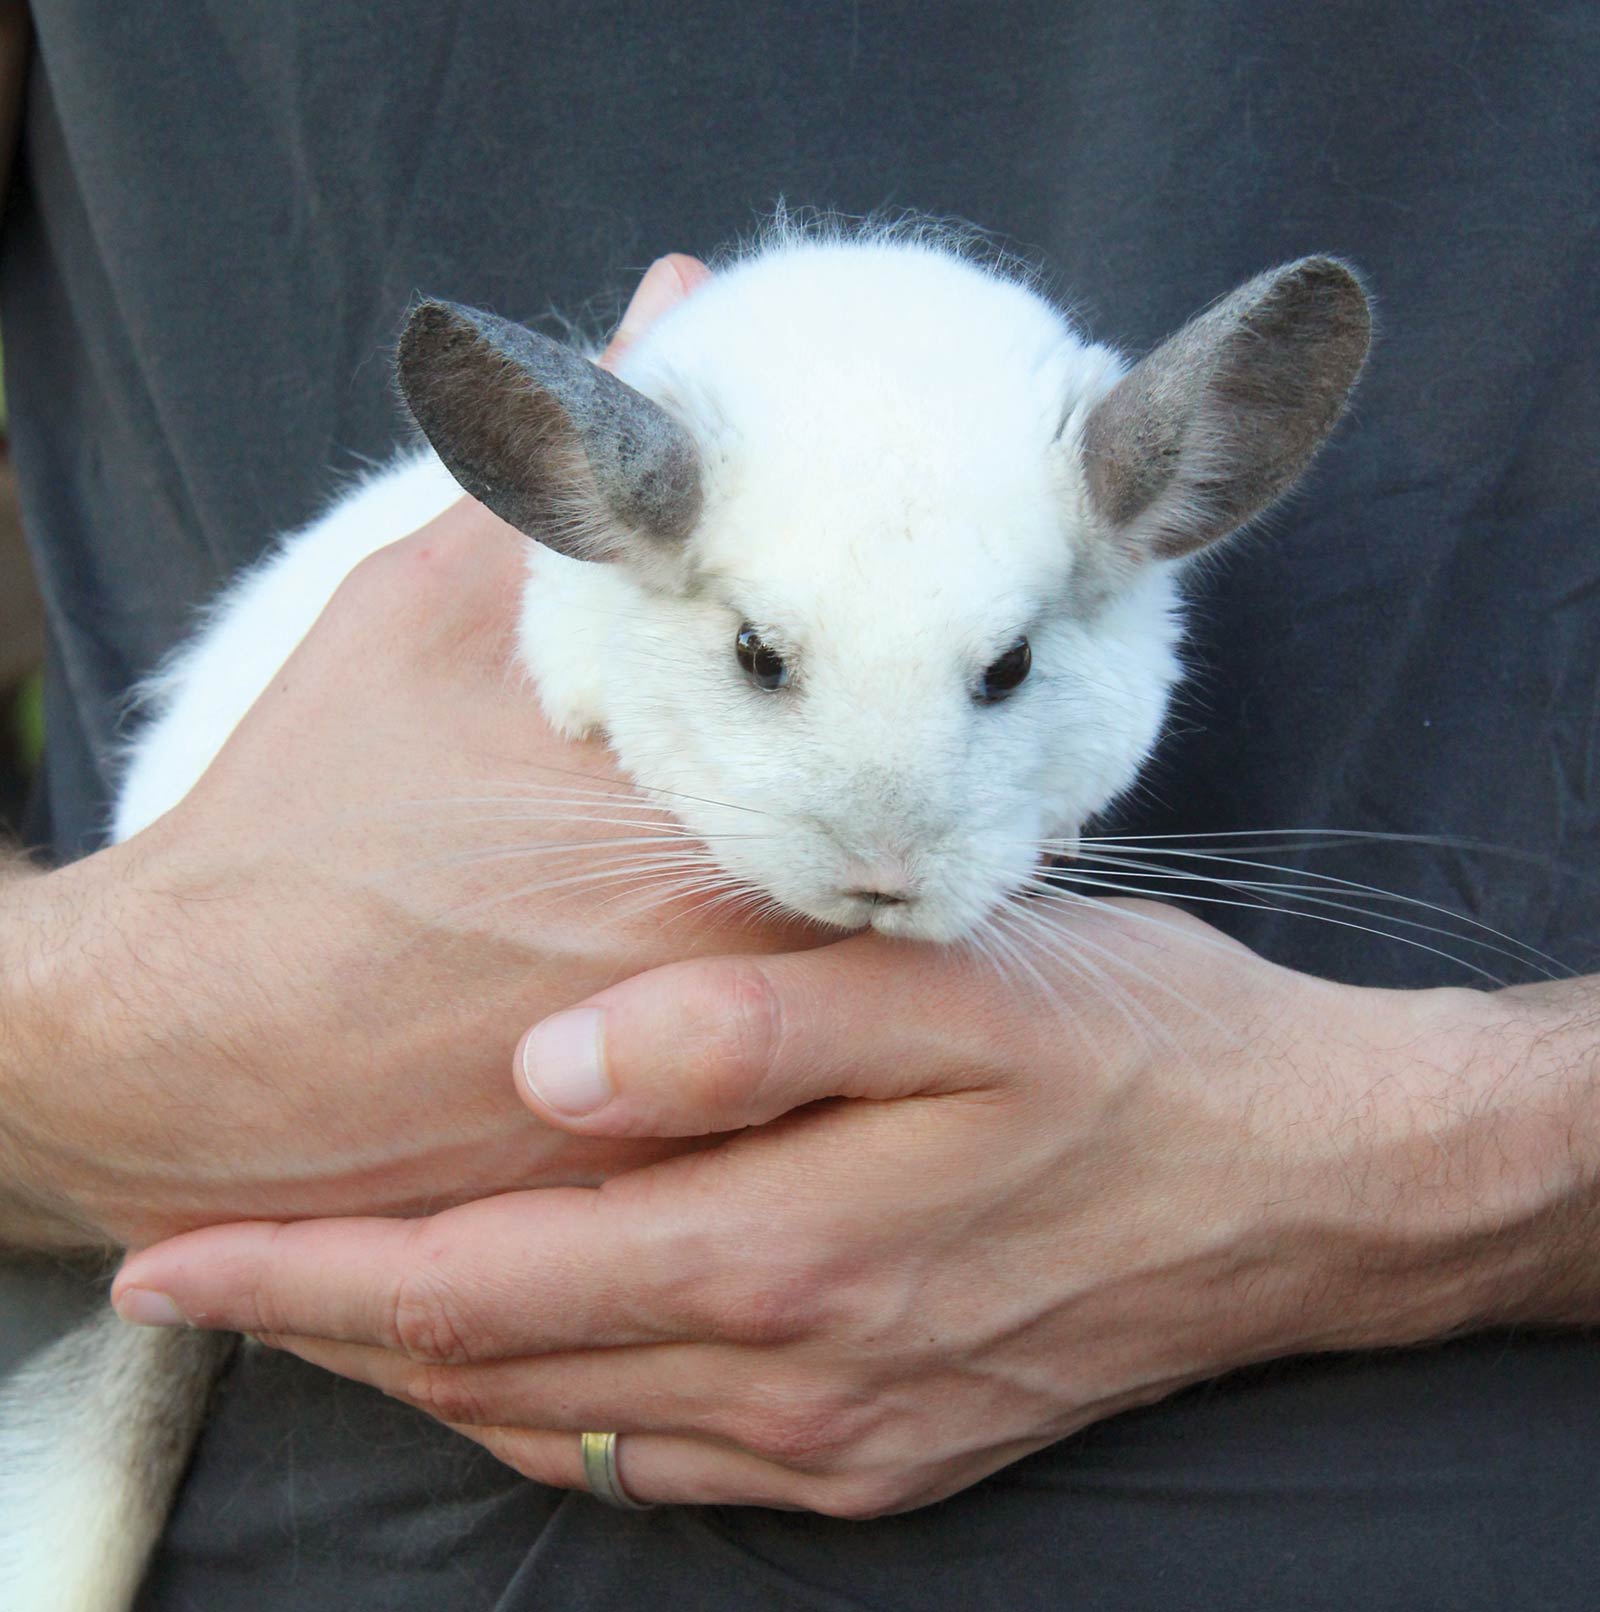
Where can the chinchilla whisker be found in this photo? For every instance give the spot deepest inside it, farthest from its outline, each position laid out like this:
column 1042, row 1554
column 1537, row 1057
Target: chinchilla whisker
column 524, row 791
column 1039, row 892
column 532, row 850
column 1334, row 839
column 1328, row 884
column 1076, row 942
column 716, row 892
column 1017, row 949
column 1118, row 888
column 1257, row 890
column 574, row 812
column 532, row 805
column 652, row 790
column 997, row 930
column 1066, row 949
column 579, row 882
column 987, row 941
column 666, row 843
column 661, row 886
column 703, row 878
column 1255, row 898
column 656, row 831
column 644, row 896
column 979, row 947
column 1292, row 841
column 617, row 799
column 1011, row 932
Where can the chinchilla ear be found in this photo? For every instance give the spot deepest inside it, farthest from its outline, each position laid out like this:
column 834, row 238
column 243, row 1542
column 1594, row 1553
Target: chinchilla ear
column 552, row 443
column 1223, row 417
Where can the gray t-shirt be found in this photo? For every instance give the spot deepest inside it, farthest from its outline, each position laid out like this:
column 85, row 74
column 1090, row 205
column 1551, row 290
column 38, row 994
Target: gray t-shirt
column 221, row 214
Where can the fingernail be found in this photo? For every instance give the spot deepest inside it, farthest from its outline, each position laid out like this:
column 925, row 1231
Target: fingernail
column 563, row 1063
column 146, row 1308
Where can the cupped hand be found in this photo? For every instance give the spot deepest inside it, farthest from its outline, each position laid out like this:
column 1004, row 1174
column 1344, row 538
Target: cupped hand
column 297, row 992
column 972, row 1216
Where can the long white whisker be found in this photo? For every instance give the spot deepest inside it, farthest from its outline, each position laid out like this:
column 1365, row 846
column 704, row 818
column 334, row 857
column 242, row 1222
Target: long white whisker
column 1119, row 888
column 1521, row 951
column 1015, row 942
column 1258, row 890
column 586, row 879
column 1076, row 938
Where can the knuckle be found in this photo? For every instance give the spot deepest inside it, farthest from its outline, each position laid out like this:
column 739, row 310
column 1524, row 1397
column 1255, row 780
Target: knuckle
column 436, row 551
column 732, row 1030
column 809, row 1432
column 777, row 1306
column 380, row 575
column 261, row 1316
column 411, row 575
column 262, row 1310
column 446, row 1393
column 424, row 1325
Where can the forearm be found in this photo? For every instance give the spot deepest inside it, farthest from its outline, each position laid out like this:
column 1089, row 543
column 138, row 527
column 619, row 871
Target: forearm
column 1462, row 1189
column 99, row 1095
column 1539, row 1064
column 36, row 929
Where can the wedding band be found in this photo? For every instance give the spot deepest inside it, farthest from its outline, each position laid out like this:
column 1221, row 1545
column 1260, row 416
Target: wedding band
column 600, row 1471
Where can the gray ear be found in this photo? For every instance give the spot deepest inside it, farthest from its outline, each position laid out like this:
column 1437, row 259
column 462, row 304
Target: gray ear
column 1221, row 419
column 553, row 444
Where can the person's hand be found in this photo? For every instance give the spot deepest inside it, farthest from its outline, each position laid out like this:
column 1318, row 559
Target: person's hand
column 297, row 992
column 1028, row 1212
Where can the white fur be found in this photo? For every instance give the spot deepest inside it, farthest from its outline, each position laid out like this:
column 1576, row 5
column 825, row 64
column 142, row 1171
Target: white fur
column 892, row 497
column 888, row 501
column 94, row 1436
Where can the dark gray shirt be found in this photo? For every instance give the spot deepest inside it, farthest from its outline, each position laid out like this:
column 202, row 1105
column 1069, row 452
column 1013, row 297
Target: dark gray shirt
column 221, row 213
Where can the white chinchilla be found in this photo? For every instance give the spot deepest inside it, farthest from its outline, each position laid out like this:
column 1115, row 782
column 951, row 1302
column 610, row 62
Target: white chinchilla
column 862, row 537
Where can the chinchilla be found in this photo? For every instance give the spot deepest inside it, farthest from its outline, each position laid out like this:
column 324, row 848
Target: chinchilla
column 863, row 543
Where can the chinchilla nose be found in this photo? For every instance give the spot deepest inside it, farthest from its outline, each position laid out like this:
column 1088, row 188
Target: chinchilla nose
column 879, row 898
column 886, row 880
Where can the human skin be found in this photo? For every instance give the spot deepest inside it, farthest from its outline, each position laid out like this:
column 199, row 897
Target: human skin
column 951, row 1218
column 297, row 992
column 1021, row 1214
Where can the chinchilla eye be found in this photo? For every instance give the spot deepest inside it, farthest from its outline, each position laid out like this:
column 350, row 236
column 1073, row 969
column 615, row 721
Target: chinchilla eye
column 1000, row 678
column 765, row 667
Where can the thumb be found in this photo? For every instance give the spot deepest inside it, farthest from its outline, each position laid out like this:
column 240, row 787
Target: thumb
column 715, row 1045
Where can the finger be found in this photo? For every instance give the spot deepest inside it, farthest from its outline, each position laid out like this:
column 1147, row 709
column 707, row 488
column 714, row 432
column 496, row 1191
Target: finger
column 716, row 1045
column 662, row 1388
column 653, row 1468
column 665, row 284
column 765, row 1404
column 523, row 1274
column 662, row 1469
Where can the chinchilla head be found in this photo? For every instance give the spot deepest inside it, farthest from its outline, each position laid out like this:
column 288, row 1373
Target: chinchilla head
column 880, row 555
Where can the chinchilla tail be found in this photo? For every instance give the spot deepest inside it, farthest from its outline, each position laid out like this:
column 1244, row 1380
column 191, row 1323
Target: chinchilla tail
column 95, row 1433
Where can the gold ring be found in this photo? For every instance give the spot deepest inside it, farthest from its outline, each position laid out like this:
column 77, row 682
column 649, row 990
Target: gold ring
column 600, row 1471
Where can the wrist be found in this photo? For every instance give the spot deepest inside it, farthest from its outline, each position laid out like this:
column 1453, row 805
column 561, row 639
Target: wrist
column 1465, row 1189
column 37, row 918
column 1532, row 1066
column 69, row 979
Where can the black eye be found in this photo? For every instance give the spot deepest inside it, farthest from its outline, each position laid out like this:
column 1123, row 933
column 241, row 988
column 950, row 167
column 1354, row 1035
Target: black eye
column 1003, row 676
column 765, row 667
